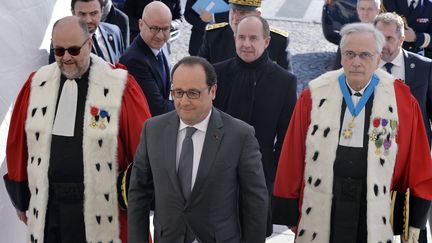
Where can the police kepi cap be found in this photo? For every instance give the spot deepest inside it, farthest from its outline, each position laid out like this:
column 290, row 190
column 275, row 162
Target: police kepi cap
column 247, row 5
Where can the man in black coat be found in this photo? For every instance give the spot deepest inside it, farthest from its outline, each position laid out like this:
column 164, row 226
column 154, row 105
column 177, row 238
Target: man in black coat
column 418, row 16
column 146, row 57
column 254, row 89
column 413, row 69
column 218, row 43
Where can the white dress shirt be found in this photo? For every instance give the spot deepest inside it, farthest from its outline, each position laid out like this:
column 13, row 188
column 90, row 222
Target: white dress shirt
column 398, row 69
column 198, row 143
column 356, row 139
column 102, row 45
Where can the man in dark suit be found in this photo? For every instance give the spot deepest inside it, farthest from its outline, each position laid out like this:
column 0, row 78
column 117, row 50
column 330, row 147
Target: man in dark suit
column 146, row 60
column 218, row 42
column 134, row 9
column 196, row 161
column 413, row 69
column 259, row 92
column 418, row 16
column 199, row 22
column 113, row 15
column 107, row 38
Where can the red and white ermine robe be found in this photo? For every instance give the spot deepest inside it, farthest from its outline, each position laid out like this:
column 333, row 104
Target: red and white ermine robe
column 304, row 181
column 109, row 145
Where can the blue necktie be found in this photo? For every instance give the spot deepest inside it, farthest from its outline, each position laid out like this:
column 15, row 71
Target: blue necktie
column 160, row 58
column 388, row 66
column 96, row 48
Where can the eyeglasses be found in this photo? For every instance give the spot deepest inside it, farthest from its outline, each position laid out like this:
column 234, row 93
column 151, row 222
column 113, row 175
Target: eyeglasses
column 363, row 55
column 156, row 29
column 73, row 50
column 190, row 93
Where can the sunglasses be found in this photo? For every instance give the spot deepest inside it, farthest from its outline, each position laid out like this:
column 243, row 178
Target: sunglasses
column 73, row 50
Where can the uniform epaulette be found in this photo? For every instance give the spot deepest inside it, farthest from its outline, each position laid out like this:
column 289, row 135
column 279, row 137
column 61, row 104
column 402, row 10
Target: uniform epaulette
column 216, row 26
column 279, row 31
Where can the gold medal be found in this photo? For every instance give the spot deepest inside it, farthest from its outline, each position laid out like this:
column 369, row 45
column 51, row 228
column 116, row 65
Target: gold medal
column 347, row 133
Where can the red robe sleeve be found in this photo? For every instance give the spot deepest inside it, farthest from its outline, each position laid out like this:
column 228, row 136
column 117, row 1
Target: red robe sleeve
column 290, row 172
column 134, row 112
column 16, row 151
column 413, row 168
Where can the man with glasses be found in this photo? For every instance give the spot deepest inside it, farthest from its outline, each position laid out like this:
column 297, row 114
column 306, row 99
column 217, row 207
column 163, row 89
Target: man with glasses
column 75, row 124
column 259, row 92
column 356, row 134
column 196, row 161
column 146, row 58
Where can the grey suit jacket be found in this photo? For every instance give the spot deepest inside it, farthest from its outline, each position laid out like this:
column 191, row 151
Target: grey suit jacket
column 230, row 166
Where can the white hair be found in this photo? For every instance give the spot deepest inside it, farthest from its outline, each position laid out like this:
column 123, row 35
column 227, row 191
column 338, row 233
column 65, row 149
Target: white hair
column 362, row 28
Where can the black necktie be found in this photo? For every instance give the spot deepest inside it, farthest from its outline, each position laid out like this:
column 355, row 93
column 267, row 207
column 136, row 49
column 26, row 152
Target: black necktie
column 388, row 66
column 411, row 6
column 96, row 49
column 160, row 58
column 185, row 165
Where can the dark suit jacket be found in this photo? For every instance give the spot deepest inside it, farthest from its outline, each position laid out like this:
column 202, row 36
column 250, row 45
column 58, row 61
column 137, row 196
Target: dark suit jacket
column 198, row 26
column 418, row 76
column 229, row 165
column 117, row 17
column 218, row 45
column 113, row 40
column 143, row 65
column 420, row 20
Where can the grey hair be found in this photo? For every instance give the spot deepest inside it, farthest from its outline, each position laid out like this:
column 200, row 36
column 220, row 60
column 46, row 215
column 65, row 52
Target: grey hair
column 377, row 3
column 362, row 28
column 391, row 18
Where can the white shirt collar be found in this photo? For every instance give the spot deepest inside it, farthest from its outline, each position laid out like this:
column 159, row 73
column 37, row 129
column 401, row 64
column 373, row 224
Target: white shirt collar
column 360, row 91
column 416, row 2
column 398, row 61
column 98, row 33
column 155, row 51
column 201, row 126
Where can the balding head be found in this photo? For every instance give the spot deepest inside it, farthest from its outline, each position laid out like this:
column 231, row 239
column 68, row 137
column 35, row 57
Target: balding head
column 72, row 46
column 155, row 24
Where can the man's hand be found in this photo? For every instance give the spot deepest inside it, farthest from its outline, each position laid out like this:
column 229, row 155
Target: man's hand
column 413, row 235
column 22, row 216
column 206, row 16
column 410, row 35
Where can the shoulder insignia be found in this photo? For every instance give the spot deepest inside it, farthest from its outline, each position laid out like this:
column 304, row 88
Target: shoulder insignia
column 216, row 26
column 279, row 31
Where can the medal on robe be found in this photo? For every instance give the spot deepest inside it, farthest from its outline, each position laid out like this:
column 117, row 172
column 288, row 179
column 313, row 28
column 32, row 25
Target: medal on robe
column 347, row 133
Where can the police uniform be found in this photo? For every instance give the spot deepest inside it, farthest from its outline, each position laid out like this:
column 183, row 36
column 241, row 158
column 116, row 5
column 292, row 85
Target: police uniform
column 218, row 43
column 420, row 20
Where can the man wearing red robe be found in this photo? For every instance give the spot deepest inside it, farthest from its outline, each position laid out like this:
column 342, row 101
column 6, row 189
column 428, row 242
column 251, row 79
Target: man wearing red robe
column 355, row 135
column 75, row 124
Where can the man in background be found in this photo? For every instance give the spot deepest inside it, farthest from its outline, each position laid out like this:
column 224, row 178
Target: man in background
column 259, row 92
column 146, row 58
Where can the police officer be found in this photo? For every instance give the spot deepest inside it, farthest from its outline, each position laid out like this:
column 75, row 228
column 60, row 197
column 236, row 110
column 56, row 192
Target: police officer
column 218, row 44
column 418, row 17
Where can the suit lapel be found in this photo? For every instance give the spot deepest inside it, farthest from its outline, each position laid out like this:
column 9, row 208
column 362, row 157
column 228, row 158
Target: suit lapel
column 109, row 42
column 409, row 68
column 170, row 136
column 211, row 144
